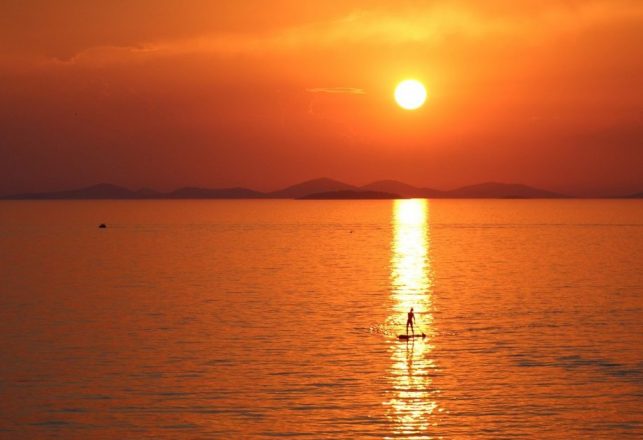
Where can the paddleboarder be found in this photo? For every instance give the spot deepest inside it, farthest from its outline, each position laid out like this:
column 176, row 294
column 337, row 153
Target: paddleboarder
column 409, row 321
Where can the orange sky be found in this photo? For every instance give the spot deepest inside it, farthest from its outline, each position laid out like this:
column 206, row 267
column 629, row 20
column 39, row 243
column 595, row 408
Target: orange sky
column 264, row 94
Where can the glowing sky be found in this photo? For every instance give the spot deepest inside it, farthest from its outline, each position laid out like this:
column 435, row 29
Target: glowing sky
column 263, row 94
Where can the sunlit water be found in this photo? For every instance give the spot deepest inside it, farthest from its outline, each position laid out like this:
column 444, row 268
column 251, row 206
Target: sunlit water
column 247, row 319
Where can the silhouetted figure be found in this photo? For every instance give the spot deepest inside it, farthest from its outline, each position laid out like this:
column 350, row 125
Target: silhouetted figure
column 409, row 321
column 103, row 226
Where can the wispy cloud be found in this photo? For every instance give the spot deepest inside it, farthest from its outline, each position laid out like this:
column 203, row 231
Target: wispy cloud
column 428, row 26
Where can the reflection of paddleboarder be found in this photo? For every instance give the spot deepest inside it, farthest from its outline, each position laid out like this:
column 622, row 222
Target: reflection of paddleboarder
column 409, row 321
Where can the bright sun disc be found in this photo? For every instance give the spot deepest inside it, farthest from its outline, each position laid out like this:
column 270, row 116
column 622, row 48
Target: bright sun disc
column 410, row 94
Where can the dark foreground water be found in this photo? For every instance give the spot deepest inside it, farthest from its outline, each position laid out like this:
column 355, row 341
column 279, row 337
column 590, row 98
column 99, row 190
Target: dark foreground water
column 250, row 319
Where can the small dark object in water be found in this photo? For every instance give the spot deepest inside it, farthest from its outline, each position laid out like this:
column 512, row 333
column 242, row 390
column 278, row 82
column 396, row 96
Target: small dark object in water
column 407, row 337
column 102, row 226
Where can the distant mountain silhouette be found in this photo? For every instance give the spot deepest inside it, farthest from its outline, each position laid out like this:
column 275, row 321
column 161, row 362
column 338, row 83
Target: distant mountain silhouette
column 635, row 196
column 350, row 195
column 147, row 193
column 223, row 193
column 495, row 190
column 99, row 191
column 483, row 190
column 321, row 185
column 403, row 189
column 108, row 191
column 316, row 188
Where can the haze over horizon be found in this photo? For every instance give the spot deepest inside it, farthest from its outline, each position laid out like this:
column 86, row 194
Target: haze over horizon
column 164, row 95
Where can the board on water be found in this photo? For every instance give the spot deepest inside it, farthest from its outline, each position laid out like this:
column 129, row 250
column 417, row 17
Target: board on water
column 407, row 337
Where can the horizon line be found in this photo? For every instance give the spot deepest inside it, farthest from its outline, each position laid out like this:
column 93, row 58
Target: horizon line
column 151, row 193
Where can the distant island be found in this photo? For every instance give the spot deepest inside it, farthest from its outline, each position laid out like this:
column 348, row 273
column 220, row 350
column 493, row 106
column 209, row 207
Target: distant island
column 322, row 188
column 350, row 195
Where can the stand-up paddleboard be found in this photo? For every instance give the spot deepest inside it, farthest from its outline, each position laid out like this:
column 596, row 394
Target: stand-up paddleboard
column 407, row 337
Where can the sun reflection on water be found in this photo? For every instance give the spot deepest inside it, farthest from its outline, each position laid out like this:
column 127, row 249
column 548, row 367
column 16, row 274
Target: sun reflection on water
column 412, row 404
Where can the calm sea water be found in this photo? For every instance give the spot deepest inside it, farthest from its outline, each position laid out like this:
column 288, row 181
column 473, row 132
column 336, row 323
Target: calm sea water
column 251, row 319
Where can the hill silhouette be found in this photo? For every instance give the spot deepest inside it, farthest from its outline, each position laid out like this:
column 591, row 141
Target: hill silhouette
column 98, row 191
column 109, row 191
column 489, row 190
column 495, row 190
column 350, row 195
column 403, row 189
column 316, row 188
column 223, row 193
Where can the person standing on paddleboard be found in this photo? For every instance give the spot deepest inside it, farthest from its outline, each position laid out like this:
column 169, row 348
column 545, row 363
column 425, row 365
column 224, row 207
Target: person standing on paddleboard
column 409, row 321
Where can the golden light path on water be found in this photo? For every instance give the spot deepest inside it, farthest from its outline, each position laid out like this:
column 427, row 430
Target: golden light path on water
column 413, row 404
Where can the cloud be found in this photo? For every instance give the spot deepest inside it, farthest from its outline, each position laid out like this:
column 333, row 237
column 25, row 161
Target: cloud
column 380, row 27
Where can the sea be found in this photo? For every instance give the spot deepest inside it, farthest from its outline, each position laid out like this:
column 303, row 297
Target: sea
column 244, row 319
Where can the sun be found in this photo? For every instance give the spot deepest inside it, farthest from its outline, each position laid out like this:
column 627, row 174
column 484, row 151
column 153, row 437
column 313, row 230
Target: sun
column 410, row 94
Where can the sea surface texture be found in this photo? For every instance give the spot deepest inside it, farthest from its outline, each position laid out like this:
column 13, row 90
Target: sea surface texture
column 268, row 319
